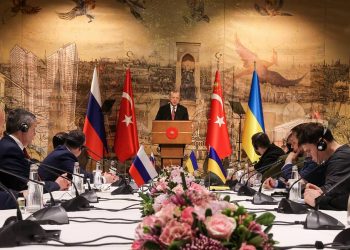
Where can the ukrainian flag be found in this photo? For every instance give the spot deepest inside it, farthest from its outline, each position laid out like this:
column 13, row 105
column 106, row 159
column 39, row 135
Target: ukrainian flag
column 254, row 121
column 191, row 163
column 215, row 165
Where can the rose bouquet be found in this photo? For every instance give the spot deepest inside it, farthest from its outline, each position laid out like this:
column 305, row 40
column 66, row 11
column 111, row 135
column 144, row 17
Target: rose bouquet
column 194, row 218
column 169, row 181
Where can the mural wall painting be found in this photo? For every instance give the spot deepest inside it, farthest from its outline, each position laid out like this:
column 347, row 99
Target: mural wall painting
column 48, row 50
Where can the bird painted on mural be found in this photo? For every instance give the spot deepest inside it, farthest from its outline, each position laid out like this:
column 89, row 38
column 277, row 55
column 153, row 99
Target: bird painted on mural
column 270, row 8
column 265, row 75
column 19, row 6
column 197, row 14
column 82, row 8
column 136, row 7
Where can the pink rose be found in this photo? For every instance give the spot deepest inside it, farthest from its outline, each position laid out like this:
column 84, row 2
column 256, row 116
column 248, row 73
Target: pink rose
column 137, row 245
column 220, row 226
column 245, row 246
column 254, row 227
column 159, row 201
column 175, row 230
column 186, row 215
column 178, row 189
column 167, row 213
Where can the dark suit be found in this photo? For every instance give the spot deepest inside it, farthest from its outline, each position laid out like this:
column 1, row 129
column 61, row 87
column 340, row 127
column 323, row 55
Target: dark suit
column 270, row 156
column 13, row 160
column 164, row 113
column 6, row 201
column 63, row 159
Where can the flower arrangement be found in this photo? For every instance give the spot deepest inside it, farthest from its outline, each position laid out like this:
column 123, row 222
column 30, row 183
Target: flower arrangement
column 194, row 218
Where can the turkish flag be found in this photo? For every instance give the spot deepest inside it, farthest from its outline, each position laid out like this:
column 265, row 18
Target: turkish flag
column 126, row 143
column 217, row 134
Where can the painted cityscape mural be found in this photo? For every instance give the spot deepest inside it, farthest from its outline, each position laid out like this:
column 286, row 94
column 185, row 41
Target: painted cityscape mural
column 48, row 50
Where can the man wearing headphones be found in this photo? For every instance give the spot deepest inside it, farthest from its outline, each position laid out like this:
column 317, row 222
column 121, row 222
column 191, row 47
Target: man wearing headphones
column 64, row 156
column 269, row 152
column 20, row 132
column 318, row 142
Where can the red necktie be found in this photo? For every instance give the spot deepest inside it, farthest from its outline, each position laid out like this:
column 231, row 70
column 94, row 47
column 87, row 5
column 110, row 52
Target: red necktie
column 173, row 113
column 26, row 155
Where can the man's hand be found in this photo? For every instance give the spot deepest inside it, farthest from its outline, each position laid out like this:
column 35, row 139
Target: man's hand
column 63, row 183
column 311, row 193
column 291, row 157
column 110, row 178
column 270, row 183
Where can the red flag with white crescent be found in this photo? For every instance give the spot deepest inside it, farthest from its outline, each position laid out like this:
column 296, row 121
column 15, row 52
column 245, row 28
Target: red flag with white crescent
column 126, row 143
column 217, row 134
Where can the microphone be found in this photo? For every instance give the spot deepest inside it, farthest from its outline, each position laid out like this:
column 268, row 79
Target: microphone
column 17, row 231
column 245, row 190
column 239, row 184
column 262, row 199
column 89, row 195
column 53, row 215
column 318, row 220
column 290, row 207
column 231, row 183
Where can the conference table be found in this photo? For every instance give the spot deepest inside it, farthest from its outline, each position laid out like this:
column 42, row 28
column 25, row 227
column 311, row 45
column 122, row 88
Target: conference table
column 75, row 231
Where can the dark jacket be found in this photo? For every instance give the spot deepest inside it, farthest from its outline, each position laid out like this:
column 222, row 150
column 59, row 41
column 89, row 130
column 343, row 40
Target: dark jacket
column 13, row 160
column 270, row 156
column 63, row 159
column 164, row 113
column 338, row 202
column 6, row 201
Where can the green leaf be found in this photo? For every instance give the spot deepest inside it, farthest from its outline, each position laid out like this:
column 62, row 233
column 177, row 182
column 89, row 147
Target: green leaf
column 256, row 241
column 176, row 245
column 267, row 229
column 227, row 198
column 184, row 186
column 151, row 245
column 266, row 219
column 208, row 212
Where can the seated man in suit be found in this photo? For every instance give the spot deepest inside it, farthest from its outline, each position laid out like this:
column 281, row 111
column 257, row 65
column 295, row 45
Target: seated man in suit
column 319, row 143
column 20, row 131
column 173, row 110
column 64, row 156
column 308, row 169
column 269, row 152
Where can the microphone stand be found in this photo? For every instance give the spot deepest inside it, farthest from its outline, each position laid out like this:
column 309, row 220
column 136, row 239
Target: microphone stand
column 54, row 215
column 315, row 219
column 89, row 195
column 245, row 190
column 290, row 207
column 17, row 231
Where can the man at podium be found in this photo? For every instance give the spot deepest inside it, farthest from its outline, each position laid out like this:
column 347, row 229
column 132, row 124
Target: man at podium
column 173, row 110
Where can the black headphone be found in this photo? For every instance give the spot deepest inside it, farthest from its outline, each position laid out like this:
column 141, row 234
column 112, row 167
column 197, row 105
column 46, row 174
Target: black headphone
column 24, row 127
column 322, row 144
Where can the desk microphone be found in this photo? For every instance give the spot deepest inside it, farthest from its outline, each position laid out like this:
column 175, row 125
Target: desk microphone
column 287, row 206
column 245, row 189
column 315, row 219
column 17, row 231
column 231, row 183
column 262, row 199
column 54, row 215
column 89, row 195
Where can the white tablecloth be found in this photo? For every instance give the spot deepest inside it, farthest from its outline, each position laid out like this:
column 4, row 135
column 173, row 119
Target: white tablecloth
column 74, row 231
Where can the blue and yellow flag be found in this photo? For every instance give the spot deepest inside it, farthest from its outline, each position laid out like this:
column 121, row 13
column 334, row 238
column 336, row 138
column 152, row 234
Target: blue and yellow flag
column 215, row 165
column 191, row 163
column 254, row 121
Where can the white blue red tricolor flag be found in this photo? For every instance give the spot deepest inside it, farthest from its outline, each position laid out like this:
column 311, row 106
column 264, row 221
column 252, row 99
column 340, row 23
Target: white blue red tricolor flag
column 94, row 129
column 142, row 169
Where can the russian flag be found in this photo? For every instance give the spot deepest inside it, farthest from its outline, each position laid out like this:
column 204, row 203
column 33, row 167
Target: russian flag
column 142, row 169
column 94, row 129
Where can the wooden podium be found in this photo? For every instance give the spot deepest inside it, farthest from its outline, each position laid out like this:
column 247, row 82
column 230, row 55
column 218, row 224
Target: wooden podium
column 172, row 137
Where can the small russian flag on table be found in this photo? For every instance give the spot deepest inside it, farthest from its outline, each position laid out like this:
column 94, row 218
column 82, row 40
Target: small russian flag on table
column 142, row 169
